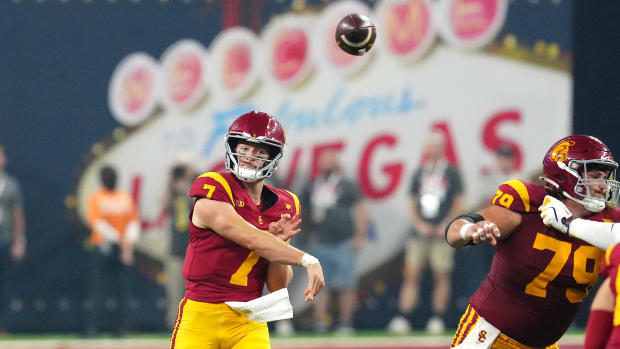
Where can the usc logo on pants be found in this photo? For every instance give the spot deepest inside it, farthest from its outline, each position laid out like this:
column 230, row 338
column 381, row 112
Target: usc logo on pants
column 482, row 336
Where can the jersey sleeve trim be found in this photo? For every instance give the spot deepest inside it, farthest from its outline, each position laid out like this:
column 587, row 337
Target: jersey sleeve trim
column 521, row 189
column 296, row 200
column 221, row 180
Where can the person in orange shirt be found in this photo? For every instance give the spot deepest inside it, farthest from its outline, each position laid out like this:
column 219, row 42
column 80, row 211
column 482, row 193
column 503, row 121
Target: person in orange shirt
column 115, row 225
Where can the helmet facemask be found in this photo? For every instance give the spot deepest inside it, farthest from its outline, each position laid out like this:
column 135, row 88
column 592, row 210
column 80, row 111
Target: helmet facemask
column 572, row 169
column 582, row 189
column 246, row 174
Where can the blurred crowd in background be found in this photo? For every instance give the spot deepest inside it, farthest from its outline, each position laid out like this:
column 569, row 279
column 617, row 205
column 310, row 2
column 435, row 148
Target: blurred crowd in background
column 336, row 226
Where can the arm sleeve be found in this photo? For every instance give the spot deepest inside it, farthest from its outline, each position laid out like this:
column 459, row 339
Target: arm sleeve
column 599, row 234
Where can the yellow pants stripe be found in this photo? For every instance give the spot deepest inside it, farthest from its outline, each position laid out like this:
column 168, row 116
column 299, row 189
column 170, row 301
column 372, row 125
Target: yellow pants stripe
column 465, row 325
column 177, row 323
column 469, row 320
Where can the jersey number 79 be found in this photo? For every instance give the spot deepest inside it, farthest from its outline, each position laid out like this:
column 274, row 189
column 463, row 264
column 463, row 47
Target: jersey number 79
column 561, row 254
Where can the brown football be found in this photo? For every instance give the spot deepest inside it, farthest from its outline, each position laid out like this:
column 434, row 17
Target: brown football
column 356, row 34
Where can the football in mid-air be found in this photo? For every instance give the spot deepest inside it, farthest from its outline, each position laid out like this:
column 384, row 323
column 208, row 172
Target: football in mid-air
column 356, row 34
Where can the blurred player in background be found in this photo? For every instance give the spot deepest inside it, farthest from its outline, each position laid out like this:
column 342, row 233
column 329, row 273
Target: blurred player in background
column 500, row 170
column 12, row 229
column 539, row 275
column 178, row 203
column 337, row 228
column 115, row 224
column 240, row 230
column 434, row 198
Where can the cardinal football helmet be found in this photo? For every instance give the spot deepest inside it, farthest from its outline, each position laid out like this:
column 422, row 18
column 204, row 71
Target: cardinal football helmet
column 260, row 128
column 566, row 167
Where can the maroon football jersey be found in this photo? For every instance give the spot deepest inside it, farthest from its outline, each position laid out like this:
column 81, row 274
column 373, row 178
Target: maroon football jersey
column 217, row 269
column 539, row 275
column 611, row 264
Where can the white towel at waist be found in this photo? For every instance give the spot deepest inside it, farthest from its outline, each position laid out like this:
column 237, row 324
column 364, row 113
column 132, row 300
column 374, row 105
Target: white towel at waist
column 271, row 307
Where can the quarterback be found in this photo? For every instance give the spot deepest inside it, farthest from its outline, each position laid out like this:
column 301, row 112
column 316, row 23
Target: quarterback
column 539, row 274
column 239, row 233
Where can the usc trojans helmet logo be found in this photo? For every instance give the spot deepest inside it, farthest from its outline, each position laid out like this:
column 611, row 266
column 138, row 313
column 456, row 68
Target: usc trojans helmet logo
column 561, row 150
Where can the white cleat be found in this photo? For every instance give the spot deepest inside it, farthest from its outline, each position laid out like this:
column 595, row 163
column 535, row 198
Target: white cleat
column 399, row 325
column 435, row 325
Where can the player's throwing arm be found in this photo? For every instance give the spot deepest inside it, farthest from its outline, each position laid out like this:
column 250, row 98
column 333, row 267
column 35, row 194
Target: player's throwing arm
column 225, row 221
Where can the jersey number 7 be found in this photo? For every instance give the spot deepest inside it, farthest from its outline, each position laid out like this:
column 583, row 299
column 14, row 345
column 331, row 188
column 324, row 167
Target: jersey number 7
column 239, row 277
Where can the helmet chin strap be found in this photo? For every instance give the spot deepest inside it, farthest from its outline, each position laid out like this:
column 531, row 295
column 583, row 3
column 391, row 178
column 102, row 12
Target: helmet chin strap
column 590, row 204
column 248, row 175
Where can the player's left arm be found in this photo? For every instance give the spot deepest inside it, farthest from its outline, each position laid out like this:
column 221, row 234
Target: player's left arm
column 600, row 321
column 600, row 234
column 280, row 275
column 489, row 224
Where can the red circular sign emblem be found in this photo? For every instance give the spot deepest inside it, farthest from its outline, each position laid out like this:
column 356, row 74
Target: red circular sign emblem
column 236, row 66
column 290, row 52
column 134, row 89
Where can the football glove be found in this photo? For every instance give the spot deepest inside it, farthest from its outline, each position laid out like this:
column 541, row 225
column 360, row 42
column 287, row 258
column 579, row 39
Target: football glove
column 555, row 214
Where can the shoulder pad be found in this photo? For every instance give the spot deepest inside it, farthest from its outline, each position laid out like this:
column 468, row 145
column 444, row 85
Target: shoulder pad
column 287, row 200
column 212, row 185
column 295, row 201
column 517, row 195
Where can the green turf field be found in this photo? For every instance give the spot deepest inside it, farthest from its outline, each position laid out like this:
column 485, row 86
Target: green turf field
column 362, row 340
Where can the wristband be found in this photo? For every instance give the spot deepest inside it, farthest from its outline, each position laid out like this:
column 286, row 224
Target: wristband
column 463, row 230
column 308, row 259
